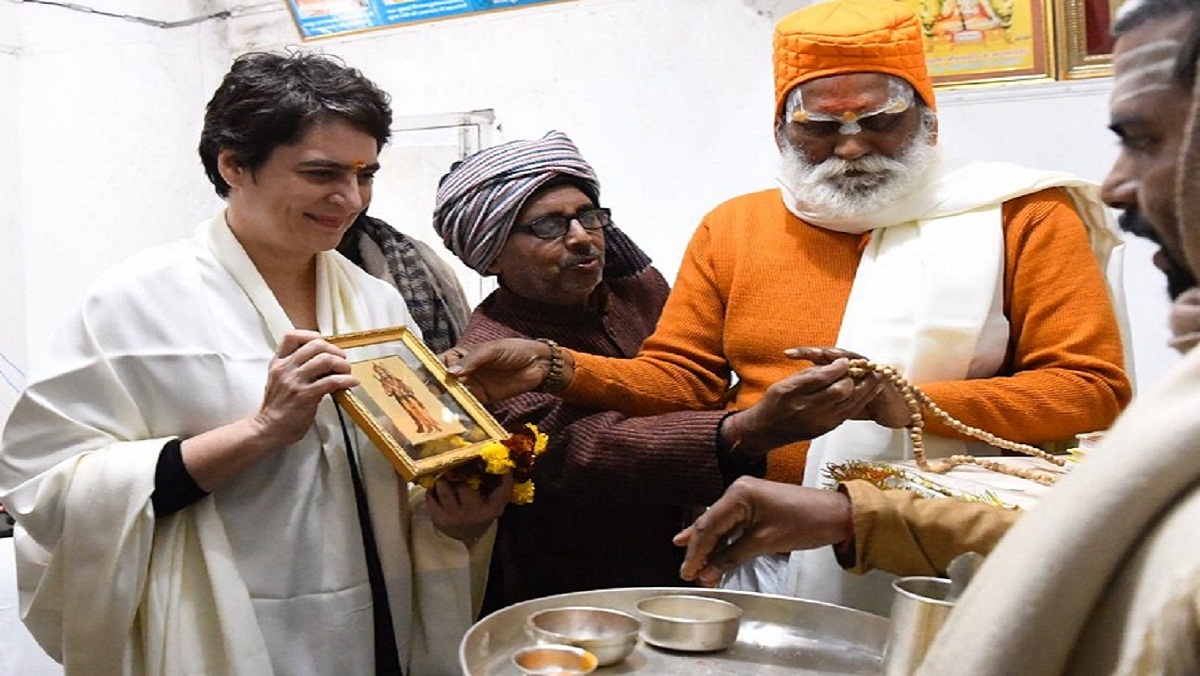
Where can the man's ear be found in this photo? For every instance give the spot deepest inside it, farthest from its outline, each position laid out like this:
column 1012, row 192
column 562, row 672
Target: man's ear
column 227, row 165
column 780, row 140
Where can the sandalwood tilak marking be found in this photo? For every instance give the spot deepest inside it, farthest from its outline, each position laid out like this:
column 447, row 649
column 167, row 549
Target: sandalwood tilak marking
column 915, row 399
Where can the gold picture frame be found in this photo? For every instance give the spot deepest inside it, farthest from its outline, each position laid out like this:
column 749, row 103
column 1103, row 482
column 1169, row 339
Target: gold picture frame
column 1083, row 35
column 971, row 42
column 419, row 417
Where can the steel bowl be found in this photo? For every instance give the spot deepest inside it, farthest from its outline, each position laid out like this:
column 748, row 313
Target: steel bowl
column 559, row 660
column 610, row 635
column 689, row 623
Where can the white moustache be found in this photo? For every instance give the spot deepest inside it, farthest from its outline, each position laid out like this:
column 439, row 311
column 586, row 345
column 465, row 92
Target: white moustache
column 836, row 167
column 845, row 190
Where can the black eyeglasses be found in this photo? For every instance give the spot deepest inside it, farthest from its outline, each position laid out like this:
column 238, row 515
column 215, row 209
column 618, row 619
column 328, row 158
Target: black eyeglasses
column 553, row 227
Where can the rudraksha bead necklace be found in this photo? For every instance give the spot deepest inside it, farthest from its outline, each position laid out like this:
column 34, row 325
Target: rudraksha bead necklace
column 915, row 399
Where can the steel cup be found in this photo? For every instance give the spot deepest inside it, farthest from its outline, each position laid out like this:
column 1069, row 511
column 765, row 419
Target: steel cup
column 918, row 611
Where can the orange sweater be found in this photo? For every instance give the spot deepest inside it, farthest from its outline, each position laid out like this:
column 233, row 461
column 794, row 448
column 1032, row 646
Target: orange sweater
column 756, row 280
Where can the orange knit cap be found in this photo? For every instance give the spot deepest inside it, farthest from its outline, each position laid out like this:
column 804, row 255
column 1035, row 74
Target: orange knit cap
column 850, row 36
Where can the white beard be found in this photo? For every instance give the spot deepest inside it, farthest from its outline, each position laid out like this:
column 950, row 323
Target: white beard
column 847, row 190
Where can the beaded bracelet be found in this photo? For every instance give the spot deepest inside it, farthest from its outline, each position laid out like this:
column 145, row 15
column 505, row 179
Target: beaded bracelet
column 553, row 381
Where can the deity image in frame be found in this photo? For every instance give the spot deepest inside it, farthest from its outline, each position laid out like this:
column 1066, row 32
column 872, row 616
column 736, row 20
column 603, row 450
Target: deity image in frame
column 414, row 411
column 416, row 414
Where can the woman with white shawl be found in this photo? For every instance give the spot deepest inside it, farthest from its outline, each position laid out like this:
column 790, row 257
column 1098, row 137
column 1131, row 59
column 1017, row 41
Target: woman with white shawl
column 184, row 488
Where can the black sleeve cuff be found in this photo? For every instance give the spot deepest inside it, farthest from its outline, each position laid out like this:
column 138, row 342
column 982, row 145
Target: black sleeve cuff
column 174, row 487
column 846, row 551
column 733, row 464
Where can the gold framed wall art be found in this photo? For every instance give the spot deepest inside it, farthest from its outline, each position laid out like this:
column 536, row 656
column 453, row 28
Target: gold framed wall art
column 981, row 41
column 1083, row 33
column 419, row 417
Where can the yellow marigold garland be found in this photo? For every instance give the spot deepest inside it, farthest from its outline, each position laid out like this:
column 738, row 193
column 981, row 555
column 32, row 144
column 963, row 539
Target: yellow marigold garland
column 515, row 454
column 522, row 493
column 495, row 454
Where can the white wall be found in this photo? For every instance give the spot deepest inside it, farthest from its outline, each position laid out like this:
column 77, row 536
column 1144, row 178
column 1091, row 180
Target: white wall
column 101, row 116
column 108, row 121
column 12, row 274
column 670, row 99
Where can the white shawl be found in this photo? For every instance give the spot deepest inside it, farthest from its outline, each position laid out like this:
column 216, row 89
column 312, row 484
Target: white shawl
column 172, row 343
column 1079, row 584
column 928, row 295
column 928, row 299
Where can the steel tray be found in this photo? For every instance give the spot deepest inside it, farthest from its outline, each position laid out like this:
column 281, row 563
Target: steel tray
column 778, row 635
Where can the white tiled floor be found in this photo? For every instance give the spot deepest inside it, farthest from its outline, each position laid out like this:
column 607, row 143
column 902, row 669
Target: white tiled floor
column 19, row 654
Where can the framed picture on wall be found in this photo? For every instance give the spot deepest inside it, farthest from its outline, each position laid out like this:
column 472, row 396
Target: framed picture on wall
column 419, row 417
column 1083, row 29
column 978, row 41
column 325, row 18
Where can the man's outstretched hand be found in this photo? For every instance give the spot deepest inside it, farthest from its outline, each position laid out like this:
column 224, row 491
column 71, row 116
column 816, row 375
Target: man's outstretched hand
column 886, row 407
column 761, row 517
column 500, row 369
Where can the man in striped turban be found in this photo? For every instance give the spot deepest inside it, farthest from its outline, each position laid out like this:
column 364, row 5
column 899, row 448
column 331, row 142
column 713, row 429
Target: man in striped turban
column 479, row 199
column 608, row 485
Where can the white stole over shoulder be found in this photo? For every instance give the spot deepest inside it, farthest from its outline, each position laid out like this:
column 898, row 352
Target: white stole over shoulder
column 1101, row 576
column 928, row 299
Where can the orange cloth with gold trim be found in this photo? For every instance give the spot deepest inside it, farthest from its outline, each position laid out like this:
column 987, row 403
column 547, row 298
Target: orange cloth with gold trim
column 850, row 36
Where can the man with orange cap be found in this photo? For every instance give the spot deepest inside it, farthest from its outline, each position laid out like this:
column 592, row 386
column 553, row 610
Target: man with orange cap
column 1102, row 576
column 964, row 266
column 981, row 282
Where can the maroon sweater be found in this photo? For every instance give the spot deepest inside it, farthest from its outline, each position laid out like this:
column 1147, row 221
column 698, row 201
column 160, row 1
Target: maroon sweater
column 610, row 490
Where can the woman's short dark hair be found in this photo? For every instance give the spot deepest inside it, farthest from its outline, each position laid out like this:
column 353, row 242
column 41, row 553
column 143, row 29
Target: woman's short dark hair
column 268, row 100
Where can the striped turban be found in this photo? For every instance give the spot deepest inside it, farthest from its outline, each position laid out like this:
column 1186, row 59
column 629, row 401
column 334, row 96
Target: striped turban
column 477, row 202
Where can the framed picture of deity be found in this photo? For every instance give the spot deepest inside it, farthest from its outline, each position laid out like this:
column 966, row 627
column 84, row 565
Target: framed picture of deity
column 1083, row 32
column 969, row 42
column 416, row 414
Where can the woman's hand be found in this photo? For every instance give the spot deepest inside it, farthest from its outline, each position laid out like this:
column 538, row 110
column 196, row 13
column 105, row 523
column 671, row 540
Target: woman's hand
column 304, row 369
column 500, row 369
column 464, row 513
